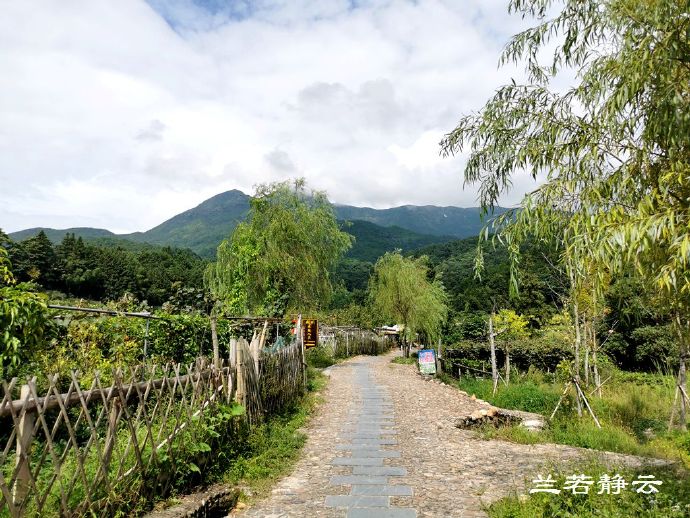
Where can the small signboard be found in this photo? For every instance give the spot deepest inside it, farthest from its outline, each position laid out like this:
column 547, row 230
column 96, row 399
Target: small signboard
column 427, row 361
column 310, row 332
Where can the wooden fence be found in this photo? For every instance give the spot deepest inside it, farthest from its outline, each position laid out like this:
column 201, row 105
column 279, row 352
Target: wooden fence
column 351, row 341
column 81, row 451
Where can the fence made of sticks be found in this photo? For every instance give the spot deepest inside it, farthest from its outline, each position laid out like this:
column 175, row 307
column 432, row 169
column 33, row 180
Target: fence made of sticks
column 81, row 450
column 351, row 341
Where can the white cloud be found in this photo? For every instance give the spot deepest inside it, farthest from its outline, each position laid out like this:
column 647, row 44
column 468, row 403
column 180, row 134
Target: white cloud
column 111, row 117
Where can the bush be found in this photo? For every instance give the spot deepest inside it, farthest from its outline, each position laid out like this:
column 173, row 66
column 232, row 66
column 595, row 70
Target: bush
column 320, row 357
column 541, row 353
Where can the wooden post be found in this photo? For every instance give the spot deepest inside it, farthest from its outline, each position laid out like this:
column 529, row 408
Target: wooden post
column 254, row 351
column 233, row 353
column 111, row 435
column 304, row 354
column 214, row 340
column 241, row 393
column 25, row 432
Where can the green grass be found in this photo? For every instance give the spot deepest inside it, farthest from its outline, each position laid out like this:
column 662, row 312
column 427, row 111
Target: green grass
column 320, row 357
column 672, row 500
column 404, row 361
column 634, row 416
column 272, row 448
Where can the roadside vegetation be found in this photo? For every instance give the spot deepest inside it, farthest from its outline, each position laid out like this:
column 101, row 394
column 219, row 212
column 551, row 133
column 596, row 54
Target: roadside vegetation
column 671, row 501
column 634, row 415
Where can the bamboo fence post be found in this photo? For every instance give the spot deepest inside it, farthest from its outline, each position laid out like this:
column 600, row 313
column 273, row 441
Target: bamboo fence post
column 240, row 395
column 214, row 340
column 254, row 348
column 303, row 352
column 233, row 353
column 111, row 434
column 25, row 432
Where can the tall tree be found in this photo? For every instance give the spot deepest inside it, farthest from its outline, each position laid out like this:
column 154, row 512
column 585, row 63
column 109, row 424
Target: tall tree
column 283, row 256
column 400, row 291
column 614, row 149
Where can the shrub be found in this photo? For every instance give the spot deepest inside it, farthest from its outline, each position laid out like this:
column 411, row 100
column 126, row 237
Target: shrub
column 541, row 353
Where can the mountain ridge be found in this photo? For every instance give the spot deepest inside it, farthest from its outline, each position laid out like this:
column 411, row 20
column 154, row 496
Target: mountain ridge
column 203, row 227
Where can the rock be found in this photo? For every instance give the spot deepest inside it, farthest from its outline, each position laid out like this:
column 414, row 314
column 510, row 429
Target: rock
column 473, row 397
column 476, row 415
column 533, row 425
column 484, row 412
column 492, row 411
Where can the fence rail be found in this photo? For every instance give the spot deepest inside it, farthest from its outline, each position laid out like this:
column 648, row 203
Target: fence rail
column 351, row 341
column 76, row 451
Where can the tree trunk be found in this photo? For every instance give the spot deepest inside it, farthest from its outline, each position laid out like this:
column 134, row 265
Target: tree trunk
column 682, row 372
column 507, row 365
column 586, row 364
column 578, row 341
column 492, row 344
column 595, row 364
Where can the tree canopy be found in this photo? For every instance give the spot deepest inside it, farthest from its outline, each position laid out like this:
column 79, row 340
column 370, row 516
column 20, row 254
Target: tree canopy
column 401, row 291
column 283, row 256
column 613, row 149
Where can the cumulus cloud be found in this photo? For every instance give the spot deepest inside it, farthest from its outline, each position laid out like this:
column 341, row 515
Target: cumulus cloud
column 122, row 114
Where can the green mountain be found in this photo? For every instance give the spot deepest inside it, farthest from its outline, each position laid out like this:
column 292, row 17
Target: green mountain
column 377, row 230
column 56, row 235
column 201, row 228
column 428, row 219
column 372, row 241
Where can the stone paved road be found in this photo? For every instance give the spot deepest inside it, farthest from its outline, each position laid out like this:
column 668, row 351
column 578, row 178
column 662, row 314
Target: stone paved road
column 383, row 444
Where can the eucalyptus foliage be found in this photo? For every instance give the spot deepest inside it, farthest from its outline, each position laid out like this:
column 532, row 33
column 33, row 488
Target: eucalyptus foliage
column 400, row 291
column 611, row 151
column 284, row 254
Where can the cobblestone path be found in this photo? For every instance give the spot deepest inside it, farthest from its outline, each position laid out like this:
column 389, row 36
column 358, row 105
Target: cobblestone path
column 365, row 438
column 384, row 444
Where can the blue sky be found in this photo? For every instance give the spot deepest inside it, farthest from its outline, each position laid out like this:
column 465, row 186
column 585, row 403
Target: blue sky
column 122, row 114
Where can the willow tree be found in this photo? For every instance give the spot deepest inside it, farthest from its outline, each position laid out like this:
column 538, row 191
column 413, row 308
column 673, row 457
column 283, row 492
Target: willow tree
column 400, row 291
column 282, row 256
column 612, row 151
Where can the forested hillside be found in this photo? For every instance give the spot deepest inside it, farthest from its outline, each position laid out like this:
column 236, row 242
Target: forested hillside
column 105, row 271
column 203, row 227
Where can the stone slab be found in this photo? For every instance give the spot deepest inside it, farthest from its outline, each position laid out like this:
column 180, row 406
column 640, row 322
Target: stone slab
column 392, row 512
column 340, row 480
column 357, row 501
column 379, row 490
column 379, row 471
column 373, row 454
column 351, row 461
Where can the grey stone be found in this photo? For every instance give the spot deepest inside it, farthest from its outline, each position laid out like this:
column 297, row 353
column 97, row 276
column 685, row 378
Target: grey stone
column 371, row 441
column 350, row 461
column 357, row 501
column 378, row 490
column 339, row 480
column 372, row 454
column 359, row 447
column 379, row 471
column 372, row 431
column 392, row 512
